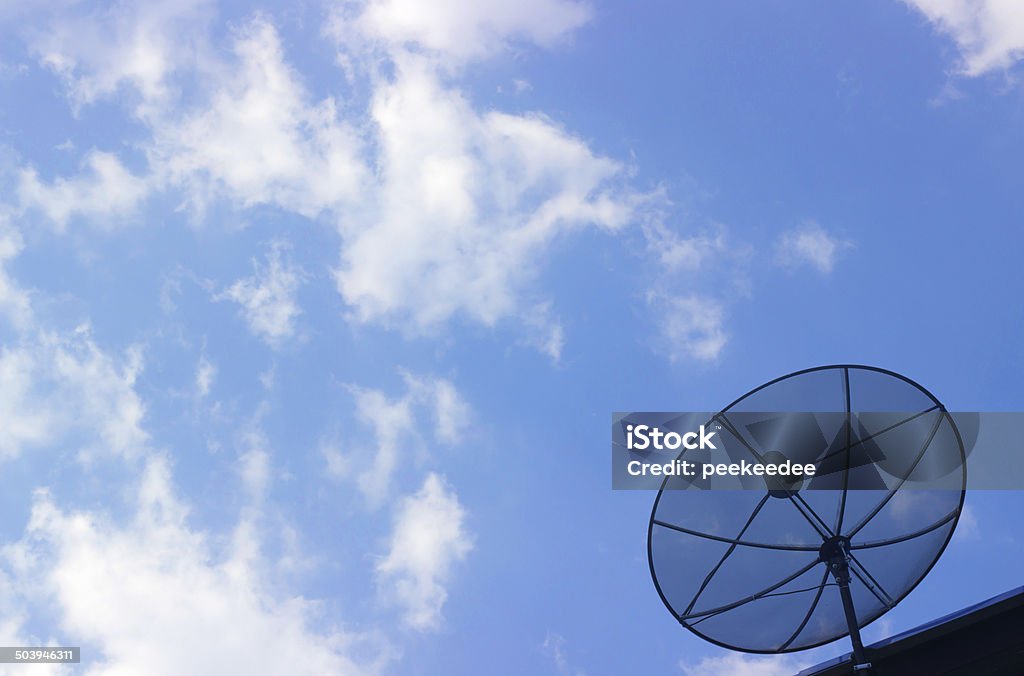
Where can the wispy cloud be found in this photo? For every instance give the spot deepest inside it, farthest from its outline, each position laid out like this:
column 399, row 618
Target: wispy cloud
column 444, row 211
column 15, row 305
column 259, row 138
column 988, row 33
column 396, row 423
column 105, row 192
column 466, row 206
column 428, row 540
column 691, row 326
column 676, row 252
column 544, row 331
column 812, row 245
column 268, row 297
column 63, row 386
column 206, row 372
column 140, row 591
column 554, row 647
column 392, row 422
column 465, row 31
column 736, row 664
column 696, row 275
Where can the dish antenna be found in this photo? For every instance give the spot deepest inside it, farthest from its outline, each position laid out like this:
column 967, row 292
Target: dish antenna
column 750, row 570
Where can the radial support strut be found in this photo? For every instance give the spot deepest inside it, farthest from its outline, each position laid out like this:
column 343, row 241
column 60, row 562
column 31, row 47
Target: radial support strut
column 835, row 553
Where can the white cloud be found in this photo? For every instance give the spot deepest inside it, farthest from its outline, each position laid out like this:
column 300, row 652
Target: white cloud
column 206, row 372
column 106, row 192
column 810, row 245
column 103, row 392
column 391, row 421
column 258, row 139
column 444, row 211
column 691, row 326
column 395, row 423
column 254, row 466
column 677, row 253
column 25, row 423
column 268, row 297
column 146, row 595
column 254, row 463
column 544, row 331
column 466, row 206
column 13, row 631
column 451, row 412
column 253, row 138
column 60, row 386
column 735, row 664
column 428, row 540
column 554, row 646
column 156, row 596
column 100, row 52
column 467, row 29
column 338, row 464
column 267, row 378
column 988, row 33
column 14, row 301
column 65, row 387
column 690, row 321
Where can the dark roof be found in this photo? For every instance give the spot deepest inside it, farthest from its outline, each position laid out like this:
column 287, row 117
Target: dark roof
column 982, row 640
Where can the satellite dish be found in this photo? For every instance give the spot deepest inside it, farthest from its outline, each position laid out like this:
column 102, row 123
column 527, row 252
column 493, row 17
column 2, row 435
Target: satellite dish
column 789, row 568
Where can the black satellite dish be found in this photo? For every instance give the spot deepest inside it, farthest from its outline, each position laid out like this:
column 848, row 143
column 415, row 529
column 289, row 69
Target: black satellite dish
column 751, row 570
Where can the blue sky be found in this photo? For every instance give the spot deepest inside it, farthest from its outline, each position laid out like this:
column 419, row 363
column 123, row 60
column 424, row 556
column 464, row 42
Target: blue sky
column 313, row 314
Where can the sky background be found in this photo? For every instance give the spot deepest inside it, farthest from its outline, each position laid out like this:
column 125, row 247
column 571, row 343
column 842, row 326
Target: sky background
column 313, row 314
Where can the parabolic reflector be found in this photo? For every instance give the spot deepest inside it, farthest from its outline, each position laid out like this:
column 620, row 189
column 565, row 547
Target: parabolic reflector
column 750, row 569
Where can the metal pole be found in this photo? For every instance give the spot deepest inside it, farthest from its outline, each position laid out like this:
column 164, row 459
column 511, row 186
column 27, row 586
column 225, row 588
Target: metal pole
column 835, row 552
column 860, row 662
